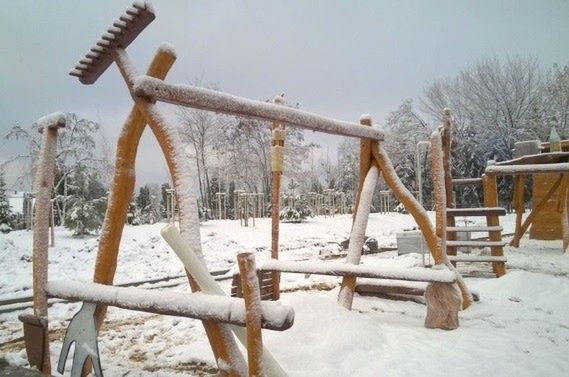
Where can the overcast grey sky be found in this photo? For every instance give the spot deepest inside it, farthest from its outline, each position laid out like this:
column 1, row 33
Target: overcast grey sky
column 337, row 58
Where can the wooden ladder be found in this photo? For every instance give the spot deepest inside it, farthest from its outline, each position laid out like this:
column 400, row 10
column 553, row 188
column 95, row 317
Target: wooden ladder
column 494, row 242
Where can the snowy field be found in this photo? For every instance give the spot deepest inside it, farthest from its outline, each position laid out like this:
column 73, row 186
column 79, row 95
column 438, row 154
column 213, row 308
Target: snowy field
column 519, row 328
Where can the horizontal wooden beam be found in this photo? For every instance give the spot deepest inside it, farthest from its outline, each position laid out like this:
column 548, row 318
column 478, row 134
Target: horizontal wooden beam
column 476, row 212
column 345, row 269
column 191, row 305
column 527, row 169
column 212, row 100
column 466, row 181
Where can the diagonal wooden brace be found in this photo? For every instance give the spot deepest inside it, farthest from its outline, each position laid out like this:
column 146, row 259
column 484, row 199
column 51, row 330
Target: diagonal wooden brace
column 220, row 337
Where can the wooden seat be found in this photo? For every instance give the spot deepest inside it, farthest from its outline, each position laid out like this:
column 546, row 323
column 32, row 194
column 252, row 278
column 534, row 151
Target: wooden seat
column 476, row 258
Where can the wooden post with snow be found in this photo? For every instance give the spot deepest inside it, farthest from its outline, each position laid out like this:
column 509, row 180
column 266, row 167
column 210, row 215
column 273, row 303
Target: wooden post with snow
column 277, row 162
column 252, row 297
column 48, row 126
column 446, row 134
column 368, row 176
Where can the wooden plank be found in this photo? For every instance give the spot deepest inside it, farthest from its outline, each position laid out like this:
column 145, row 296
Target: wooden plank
column 542, row 158
column 477, row 212
column 473, row 229
column 546, row 221
column 477, row 258
column 477, row 243
column 530, row 169
column 344, row 269
column 466, row 181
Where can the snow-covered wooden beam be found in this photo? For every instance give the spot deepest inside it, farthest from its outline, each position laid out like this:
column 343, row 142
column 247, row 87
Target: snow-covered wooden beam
column 345, row 269
column 527, row 169
column 192, row 305
column 53, row 120
column 212, row 100
column 466, row 181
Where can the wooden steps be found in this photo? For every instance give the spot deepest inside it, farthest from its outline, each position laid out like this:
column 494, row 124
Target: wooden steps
column 476, row 212
column 473, row 229
column 477, row 258
column 477, row 244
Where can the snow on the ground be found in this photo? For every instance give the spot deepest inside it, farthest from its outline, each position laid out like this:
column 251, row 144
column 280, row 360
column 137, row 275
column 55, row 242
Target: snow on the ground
column 519, row 328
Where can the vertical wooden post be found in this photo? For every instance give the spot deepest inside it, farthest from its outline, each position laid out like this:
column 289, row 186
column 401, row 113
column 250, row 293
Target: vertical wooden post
column 518, row 204
column 491, row 200
column 43, row 186
column 447, row 164
column 365, row 160
column 252, row 297
column 367, row 182
column 52, row 223
column 277, row 154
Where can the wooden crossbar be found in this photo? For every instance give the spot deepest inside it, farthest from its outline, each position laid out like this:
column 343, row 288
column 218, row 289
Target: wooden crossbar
column 527, row 169
column 345, row 269
column 191, row 305
column 212, row 100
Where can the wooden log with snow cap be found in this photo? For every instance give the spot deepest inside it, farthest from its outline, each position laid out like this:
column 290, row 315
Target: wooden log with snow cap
column 222, row 342
column 359, row 270
column 197, row 269
column 202, row 306
column 212, row 100
column 527, row 169
column 252, row 297
column 35, row 326
column 277, row 162
column 357, row 234
column 122, row 185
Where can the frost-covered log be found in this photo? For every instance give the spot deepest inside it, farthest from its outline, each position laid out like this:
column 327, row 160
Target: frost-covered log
column 222, row 341
column 357, row 235
column 191, row 305
column 43, row 185
column 344, row 269
column 443, row 304
column 252, row 298
column 527, row 169
column 197, row 270
column 123, row 181
column 207, row 99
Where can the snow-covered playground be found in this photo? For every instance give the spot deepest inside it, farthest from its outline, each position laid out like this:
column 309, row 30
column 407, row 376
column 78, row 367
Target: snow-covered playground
column 520, row 326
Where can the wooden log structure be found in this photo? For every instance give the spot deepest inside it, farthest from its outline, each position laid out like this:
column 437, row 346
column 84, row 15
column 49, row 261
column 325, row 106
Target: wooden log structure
column 206, row 99
column 215, row 308
column 251, row 295
column 49, row 126
column 359, row 270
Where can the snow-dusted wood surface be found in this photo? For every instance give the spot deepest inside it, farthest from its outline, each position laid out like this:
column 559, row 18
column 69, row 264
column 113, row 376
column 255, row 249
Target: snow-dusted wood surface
column 207, row 99
column 357, row 235
column 562, row 167
column 192, row 305
column 343, row 269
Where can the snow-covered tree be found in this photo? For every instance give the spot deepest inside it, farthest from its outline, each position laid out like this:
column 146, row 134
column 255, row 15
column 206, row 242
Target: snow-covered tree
column 80, row 143
column 5, row 212
column 86, row 202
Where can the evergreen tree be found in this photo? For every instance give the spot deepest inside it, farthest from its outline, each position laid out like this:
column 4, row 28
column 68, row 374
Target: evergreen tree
column 5, row 212
column 86, row 202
